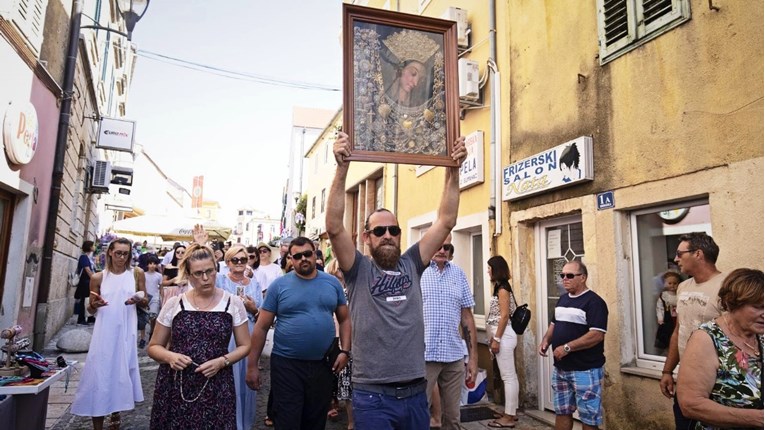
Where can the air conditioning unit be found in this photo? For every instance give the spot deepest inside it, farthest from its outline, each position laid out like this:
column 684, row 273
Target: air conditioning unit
column 101, row 176
column 468, row 79
column 460, row 16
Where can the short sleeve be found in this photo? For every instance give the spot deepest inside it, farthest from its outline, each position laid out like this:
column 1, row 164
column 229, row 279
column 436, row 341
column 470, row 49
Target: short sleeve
column 353, row 272
column 237, row 311
column 169, row 310
column 597, row 314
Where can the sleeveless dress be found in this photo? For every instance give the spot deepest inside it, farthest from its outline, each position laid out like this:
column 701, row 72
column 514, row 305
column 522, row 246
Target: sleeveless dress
column 110, row 381
column 185, row 400
column 245, row 397
column 739, row 375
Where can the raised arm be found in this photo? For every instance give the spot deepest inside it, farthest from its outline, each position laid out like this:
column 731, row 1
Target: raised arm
column 342, row 243
column 447, row 210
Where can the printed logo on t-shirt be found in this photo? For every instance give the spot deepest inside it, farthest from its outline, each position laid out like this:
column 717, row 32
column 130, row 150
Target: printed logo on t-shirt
column 393, row 286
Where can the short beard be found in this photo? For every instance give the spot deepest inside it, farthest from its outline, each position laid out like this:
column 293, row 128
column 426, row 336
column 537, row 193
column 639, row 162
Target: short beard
column 304, row 272
column 386, row 256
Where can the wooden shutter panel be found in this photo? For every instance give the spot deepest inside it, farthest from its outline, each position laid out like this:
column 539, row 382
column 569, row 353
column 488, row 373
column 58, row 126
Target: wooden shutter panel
column 28, row 16
column 615, row 17
column 655, row 9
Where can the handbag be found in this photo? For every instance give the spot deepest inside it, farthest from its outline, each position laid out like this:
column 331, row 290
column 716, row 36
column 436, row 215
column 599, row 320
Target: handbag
column 334, row 350
column 519, row 320
column 73, row 279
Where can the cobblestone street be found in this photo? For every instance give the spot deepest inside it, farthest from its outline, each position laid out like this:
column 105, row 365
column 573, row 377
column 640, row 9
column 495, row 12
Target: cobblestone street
column 59, row 400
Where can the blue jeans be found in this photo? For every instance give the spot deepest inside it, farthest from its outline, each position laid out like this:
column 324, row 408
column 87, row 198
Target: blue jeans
column 373, row 411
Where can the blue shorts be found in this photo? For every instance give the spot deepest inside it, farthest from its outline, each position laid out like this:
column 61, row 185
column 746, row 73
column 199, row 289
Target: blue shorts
column 578, row 390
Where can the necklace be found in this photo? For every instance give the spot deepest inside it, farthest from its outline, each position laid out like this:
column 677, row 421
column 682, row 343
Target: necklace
column 207, row 306
column 756, row 351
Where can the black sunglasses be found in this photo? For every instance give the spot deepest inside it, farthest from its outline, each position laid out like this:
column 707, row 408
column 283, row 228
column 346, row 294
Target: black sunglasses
column 380, row 230
column 569, row 275
column 448, row 247
column 240, row 260
column 299, row 255
column 252, row 256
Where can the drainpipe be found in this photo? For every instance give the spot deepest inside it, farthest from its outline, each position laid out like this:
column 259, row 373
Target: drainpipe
column 46, row 266
column 495, row 145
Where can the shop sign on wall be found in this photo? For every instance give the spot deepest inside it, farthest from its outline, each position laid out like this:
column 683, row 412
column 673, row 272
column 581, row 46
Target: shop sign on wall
column 471, row 170
column 116, row 134
column 20, row 132
column 561, row 166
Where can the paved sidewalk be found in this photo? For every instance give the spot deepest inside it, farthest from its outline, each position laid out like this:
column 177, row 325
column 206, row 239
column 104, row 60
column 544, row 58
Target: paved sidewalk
column 60, row 398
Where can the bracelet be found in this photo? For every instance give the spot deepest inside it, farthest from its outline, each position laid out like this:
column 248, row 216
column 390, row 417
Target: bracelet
column 666, row 372
column 496, row 339
column 347, row 353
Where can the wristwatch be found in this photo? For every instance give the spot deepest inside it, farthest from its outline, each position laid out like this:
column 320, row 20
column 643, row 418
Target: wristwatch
column 347, row 353
column 226, row 363
column 566, row 348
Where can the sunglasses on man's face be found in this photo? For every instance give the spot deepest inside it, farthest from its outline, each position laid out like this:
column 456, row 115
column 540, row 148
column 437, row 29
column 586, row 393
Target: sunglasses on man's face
column 241, row 260
column 380, row 230
column 569, row 275
column 448, row 247
column 300, row 255
column 252, row 256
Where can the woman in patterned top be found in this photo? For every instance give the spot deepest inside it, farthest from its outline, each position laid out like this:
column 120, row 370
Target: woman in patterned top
column 720, row 380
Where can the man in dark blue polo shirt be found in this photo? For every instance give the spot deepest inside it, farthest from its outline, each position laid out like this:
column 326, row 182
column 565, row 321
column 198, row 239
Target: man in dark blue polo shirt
column 576, row 335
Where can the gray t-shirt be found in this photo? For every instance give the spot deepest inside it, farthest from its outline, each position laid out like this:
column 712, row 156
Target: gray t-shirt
column 387, row 321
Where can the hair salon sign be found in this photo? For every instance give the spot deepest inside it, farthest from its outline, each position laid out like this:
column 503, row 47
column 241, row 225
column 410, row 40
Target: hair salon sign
column 564, row 165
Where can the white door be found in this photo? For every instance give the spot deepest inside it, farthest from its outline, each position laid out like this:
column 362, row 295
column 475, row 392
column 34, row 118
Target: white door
column 558, row 242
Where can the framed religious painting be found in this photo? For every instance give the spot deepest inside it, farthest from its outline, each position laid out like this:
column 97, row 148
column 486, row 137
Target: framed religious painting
column 400, row 101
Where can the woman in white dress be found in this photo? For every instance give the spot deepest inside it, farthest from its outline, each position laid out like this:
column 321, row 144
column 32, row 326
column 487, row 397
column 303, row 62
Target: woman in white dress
column 110, row 381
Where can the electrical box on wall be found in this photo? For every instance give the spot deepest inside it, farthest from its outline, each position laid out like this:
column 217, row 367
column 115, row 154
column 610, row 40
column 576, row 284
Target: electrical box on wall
column 468, row 79
column 460, row 17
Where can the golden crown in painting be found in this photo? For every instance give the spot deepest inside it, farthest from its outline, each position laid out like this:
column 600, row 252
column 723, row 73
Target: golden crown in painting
column 411, row 45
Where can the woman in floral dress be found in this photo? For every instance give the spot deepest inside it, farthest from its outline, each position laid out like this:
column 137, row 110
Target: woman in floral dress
column 195, row 382
column 720, row 380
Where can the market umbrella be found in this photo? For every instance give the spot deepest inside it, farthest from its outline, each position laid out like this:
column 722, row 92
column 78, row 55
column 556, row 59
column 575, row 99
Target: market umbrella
column 169, row 228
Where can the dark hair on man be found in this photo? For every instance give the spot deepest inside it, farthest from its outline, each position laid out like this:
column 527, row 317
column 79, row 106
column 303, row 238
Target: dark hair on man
column 87, row 246
column 366, row 222
column 740, row 288
column 704, row 243
column 253, row 250
column 152, row 259
column 570, row 156
column 300, row 241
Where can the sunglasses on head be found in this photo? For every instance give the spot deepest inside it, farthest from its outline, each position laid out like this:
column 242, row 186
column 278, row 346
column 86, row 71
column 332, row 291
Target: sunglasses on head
column 299, row 255
column 569, row 275
column 448, row 247
column 240, row 260
column 380, row 230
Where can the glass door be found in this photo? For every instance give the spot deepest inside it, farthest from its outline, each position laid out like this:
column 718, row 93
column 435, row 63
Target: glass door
column 558, row 242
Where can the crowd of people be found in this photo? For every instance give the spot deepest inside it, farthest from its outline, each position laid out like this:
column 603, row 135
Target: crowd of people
column 353, row 334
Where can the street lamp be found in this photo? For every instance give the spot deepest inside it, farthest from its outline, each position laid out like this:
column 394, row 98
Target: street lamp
column 131, row 11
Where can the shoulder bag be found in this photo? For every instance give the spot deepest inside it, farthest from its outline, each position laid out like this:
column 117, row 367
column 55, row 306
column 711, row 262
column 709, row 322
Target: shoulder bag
column 520, row 318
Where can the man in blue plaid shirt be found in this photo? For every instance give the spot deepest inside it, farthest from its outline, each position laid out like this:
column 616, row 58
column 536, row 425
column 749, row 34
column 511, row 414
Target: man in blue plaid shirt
column 447, row 307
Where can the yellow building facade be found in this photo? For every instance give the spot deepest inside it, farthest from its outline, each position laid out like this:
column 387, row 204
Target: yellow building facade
column 664, row 108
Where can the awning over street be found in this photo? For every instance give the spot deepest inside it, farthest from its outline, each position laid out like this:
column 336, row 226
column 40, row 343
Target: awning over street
column 169, row 228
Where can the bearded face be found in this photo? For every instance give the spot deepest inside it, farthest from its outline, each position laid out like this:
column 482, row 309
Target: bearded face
column 386, row 253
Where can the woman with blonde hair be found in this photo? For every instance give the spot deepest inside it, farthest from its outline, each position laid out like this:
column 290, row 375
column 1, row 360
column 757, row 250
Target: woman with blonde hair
column 195, row 381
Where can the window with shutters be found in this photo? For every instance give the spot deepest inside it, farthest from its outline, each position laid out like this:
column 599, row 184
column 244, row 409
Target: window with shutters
column 28, row 16
column 626, row 24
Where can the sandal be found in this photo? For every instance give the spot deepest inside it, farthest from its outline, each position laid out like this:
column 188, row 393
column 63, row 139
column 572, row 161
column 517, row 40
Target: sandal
column 114, row 421
column 498, row 425
column 333, row 415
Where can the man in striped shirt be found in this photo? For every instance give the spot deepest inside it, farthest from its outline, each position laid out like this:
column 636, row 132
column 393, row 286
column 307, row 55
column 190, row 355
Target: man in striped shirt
column 576, row 335
column 447, row 306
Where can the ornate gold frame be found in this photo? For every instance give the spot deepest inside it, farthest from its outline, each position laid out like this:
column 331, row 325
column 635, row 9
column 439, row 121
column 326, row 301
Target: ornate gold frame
column 380, row 126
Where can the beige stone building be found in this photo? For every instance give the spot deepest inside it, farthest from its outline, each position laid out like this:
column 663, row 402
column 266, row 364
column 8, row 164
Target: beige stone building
column 609, row 129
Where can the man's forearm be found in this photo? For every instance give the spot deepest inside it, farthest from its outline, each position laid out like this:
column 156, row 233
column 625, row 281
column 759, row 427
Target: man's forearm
column 588, row 340
column 470, row 334
column 336, row 202
column 450, row 199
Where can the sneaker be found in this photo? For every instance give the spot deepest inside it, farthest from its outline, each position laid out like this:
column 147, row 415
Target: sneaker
column 141, row 344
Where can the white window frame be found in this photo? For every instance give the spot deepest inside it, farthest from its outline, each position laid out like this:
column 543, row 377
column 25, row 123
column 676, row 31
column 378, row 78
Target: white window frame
column 644, row 359
column 638, row 33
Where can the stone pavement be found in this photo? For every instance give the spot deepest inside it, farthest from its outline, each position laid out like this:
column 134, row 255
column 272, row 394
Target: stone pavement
column 61, row 397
